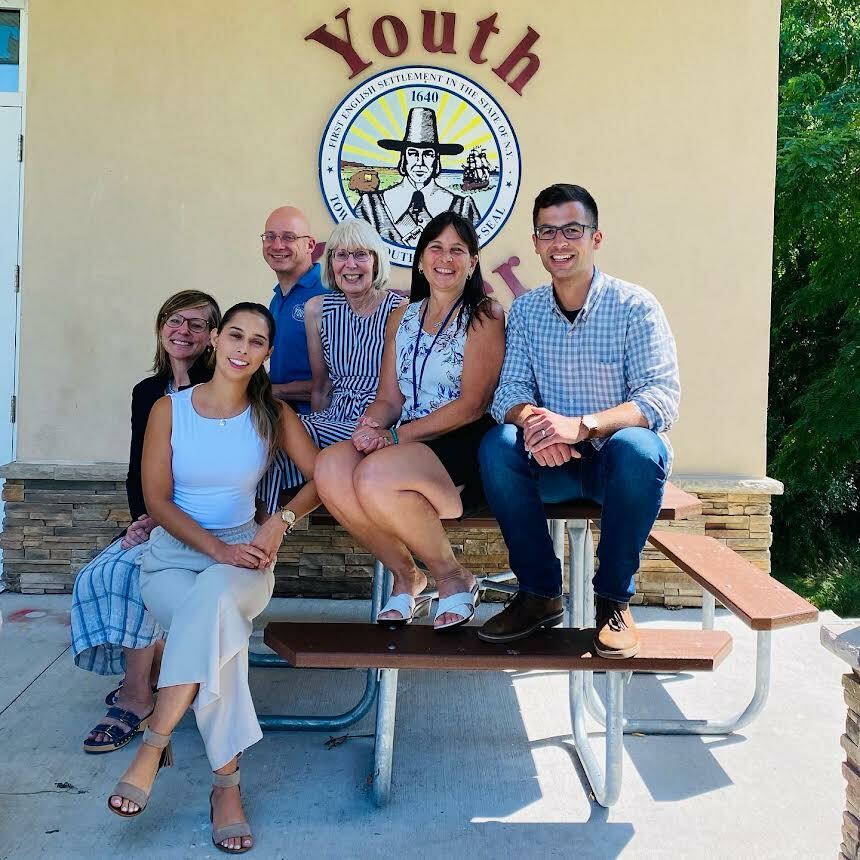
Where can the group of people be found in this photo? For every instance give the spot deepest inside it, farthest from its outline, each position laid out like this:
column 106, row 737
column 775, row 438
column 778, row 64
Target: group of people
column 396, row 415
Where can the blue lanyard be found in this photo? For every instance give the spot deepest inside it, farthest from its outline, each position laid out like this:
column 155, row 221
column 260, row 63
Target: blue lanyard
column 416, row 383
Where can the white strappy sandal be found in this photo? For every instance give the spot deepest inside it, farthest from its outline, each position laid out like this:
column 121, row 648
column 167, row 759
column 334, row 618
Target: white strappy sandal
column 462, row 603
column 408, row 606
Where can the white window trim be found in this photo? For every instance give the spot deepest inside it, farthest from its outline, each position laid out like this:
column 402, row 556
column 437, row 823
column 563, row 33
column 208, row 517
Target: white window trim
column 19, row 99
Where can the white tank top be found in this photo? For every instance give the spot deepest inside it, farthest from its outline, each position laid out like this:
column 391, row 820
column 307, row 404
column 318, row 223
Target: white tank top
column 217, row 464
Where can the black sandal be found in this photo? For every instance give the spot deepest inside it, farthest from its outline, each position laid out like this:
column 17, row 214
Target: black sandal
column 119, row 735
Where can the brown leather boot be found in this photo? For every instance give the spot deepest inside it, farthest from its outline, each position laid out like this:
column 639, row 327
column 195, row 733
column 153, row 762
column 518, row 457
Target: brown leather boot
column 523, row 614
column 615, row 636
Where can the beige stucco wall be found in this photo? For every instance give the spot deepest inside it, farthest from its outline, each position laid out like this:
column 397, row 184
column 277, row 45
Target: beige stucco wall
column 160, row 134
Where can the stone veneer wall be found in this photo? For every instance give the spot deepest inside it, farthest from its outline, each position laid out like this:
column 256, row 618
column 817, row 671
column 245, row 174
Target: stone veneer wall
column 850, row 847
column 59, row 516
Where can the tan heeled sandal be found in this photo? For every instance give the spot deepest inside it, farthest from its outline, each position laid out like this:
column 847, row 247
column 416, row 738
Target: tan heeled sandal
column 132, row 792
column 239, row 830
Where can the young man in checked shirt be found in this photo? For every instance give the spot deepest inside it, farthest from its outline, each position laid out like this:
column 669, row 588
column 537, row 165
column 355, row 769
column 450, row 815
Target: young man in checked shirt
column 588, row 389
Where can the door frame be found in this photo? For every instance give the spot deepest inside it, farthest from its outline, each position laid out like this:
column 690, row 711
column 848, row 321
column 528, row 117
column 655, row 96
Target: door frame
column 18, row 99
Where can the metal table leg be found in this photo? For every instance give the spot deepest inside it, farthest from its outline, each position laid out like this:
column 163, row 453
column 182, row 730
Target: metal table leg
column 383, row 750
column 288, row 723
column 606, row 783
column 582, row 613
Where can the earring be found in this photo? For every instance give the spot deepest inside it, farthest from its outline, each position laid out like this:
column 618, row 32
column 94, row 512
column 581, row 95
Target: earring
column 420, row 270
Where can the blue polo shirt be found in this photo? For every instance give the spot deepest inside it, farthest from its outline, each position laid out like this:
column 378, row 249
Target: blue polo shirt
column 289, row 360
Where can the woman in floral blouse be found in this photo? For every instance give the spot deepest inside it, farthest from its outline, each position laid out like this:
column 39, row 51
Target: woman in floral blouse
column 412, row 460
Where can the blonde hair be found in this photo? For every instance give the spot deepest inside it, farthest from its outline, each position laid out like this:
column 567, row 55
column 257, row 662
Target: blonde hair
column 349, row 235
column 182, row 299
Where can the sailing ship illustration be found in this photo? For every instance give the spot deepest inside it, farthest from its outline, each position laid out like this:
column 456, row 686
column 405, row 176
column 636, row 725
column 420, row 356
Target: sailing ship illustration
column 476, row 170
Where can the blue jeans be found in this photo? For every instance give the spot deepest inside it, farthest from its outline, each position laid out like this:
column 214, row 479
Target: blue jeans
column 626, row 476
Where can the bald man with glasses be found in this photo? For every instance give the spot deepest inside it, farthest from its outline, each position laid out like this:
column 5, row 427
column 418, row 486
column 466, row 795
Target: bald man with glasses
column 288, row 247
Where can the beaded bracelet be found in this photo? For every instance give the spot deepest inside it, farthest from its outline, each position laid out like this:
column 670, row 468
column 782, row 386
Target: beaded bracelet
column 394, row 438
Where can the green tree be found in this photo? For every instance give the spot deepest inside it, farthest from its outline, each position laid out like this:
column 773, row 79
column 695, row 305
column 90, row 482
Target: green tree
column 814, row 408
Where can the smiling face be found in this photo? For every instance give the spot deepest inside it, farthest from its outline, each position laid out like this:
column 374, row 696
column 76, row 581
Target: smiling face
column 353, row 277
column 567, row 259
column 242, row 345
column 419, row 165
column 180, row 342
column 446, row 261
column 289, row 258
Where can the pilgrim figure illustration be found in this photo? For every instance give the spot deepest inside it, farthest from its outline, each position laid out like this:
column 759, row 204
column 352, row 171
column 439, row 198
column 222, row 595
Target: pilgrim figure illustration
column 402, row 211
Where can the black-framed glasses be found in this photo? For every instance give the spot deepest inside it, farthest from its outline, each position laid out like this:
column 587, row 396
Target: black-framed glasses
column 195, row 324
column 360, row 256
column 269, row 236
column 574, row 230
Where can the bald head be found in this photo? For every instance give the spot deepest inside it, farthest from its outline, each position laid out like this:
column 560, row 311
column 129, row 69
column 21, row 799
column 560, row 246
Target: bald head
column 288, row 254
column 291, row 214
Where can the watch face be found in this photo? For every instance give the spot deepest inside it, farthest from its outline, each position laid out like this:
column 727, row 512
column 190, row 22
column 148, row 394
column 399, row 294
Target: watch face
column 288, row 517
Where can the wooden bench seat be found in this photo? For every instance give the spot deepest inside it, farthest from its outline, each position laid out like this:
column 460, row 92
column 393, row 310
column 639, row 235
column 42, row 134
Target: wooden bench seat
column 759, row 600
column 373, row 646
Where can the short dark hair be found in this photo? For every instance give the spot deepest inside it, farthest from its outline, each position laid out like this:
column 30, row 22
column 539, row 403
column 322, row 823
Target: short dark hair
column 560, row 193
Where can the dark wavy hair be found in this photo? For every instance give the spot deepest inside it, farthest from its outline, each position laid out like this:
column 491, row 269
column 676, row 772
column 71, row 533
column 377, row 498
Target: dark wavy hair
column 265, row 409
column 475, row 304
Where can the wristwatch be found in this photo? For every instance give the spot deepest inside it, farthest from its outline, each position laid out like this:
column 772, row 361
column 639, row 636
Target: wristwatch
column 288, row 517
column 590, row 424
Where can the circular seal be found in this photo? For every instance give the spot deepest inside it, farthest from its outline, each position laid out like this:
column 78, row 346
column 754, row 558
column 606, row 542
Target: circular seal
column 410, row 143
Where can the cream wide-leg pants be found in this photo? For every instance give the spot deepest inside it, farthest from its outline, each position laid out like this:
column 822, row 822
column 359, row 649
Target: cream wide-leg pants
column 208, row 609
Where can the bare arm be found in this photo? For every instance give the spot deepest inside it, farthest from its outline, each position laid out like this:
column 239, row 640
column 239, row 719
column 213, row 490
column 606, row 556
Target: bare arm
column 301, row 449
column 298, row 389
column 482, row 363
column 320, row 379
column 157, row 472
column 386, row 408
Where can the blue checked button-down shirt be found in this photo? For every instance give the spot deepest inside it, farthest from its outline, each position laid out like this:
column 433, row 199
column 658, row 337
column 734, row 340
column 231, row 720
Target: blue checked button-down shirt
column 619, row 349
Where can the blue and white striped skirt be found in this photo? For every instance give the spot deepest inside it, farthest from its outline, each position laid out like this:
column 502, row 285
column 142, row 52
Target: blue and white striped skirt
column 108, row 612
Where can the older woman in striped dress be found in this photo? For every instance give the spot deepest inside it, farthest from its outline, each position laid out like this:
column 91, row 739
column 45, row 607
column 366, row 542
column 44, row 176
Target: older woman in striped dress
column 346, row 333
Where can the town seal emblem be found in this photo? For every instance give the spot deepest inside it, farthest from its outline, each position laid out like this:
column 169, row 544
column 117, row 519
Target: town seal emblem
column 412, row 142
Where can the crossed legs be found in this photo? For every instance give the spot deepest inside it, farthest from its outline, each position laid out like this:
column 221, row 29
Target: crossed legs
column 392, row 501
column 205, row 665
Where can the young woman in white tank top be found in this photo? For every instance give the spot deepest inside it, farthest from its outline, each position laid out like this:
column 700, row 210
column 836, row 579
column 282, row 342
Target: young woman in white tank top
column 208, row 569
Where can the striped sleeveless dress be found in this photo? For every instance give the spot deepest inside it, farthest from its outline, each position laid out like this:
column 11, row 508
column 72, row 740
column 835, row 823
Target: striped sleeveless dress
column 352, row 349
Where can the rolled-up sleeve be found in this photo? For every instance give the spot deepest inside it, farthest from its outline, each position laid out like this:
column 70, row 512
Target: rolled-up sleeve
column 517, row 381
column 651, row 367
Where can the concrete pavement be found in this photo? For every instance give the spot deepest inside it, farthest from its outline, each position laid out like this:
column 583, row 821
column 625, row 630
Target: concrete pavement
column 482, row 766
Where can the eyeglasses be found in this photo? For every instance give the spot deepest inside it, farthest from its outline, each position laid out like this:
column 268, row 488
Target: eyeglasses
column 574, row 230
column 195, row 324
column 284, row 237
column 360, row 256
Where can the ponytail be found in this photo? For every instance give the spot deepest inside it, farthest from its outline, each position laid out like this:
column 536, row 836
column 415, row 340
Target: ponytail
column 265, row 409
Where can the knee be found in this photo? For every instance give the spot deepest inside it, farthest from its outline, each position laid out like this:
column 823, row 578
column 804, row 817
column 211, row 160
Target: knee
column 372, row 481
column 215, row 587
column 332, row 469
column 638, row 452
